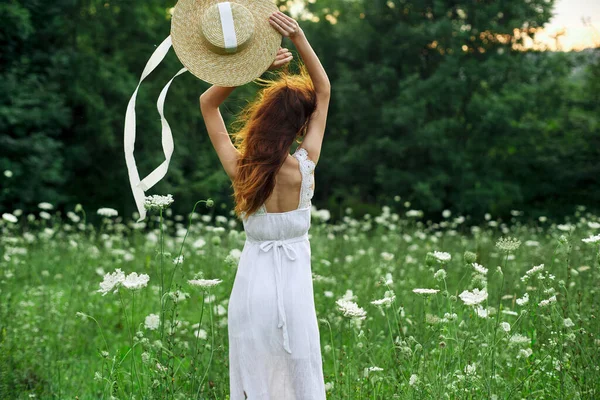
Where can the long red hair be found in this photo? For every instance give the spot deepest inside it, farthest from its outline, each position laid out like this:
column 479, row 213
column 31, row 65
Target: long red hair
column 269, row 125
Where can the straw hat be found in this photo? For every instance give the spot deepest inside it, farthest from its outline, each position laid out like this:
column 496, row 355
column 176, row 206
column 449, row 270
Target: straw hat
column 225, row 43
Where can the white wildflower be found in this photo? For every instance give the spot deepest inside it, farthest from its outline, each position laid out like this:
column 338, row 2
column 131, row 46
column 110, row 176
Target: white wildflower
column 45, row 206
column 158, row 202
column 524, row 300
column 475, row 297
column 387, row 300
column 426, row 291
column 568, row 323
column 204, row 283
column 351, row 309
column 442, row 256
column 482, row 312
column 545, row 303
column 133, row 281
column 107, row 212
column 532, row 271
column 470, row 369
column 200, row 334
column 371, row 369
column 517, row 338
column 178, row 260
column 152, row 322
column 508, row 244
column 9, row 218
column 111, row 282
column 505, row 326
column 592, row 239
column 524, row 353
column 479, row 268
column 414, row 379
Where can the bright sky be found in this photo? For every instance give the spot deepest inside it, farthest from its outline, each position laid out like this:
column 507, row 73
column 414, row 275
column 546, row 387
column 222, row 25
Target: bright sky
column 568, row 16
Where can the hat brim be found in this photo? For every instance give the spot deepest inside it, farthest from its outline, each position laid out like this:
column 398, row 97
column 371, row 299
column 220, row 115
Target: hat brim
column 233, row 69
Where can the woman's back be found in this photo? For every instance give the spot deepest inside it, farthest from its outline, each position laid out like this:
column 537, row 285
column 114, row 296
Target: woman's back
column 292, row 195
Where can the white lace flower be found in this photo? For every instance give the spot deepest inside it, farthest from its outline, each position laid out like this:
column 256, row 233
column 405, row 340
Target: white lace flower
column 508, row 244
column 351, row 309
column 568, row 322
column 371, row 369
column 442, row 256
column 479, row 268
column 204, row 283
column 387, row 300
column 414, row 379
column 517, row 338
column 482, row 312
column 470, row 369
column 45, row 206
column 532, row 271
column 9, row 218
column 592, row 239
column 475, row 297
column 107, row 212
column 505, row 326
column 426, row 291
column 133, row 281
column 178, row 260
column 545, row 303
column 111, row 282
column 524, row 300
column 152, row 322
column 158, row 202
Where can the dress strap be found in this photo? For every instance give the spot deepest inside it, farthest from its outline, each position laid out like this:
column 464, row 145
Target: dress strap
column 307, row 168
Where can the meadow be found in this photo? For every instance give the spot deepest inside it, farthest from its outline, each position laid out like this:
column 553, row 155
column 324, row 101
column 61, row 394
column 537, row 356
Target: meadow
column 407, row 308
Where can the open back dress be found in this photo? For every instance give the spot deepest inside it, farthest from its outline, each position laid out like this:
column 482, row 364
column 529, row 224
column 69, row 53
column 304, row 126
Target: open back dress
column 274, row 342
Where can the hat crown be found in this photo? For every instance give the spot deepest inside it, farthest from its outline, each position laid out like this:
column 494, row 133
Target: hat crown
column 227, row 27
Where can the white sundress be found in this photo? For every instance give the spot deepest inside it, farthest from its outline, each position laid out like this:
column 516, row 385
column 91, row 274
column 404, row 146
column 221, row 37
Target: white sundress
column 274, row 341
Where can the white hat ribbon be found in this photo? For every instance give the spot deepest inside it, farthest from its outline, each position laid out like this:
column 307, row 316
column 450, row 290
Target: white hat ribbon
column 140, row 186
column 229, row 36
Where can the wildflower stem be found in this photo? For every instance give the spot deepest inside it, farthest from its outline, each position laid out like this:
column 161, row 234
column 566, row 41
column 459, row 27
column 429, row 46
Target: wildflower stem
column 334, row 356
column 183, row 242
column 496, row 330
column 196, row 343
column 212, row 347
column 131, row 340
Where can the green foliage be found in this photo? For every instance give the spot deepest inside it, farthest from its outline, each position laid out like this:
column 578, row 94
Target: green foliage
column 430, row 102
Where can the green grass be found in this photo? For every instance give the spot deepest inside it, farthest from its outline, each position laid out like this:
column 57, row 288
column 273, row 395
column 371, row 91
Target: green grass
column 62, row 339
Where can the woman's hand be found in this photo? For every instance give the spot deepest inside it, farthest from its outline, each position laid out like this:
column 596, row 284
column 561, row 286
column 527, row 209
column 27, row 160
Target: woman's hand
column 285, row 25
column 283, row 57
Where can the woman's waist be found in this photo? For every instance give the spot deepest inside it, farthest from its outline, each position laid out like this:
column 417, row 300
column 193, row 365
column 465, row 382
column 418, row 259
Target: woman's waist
column 283, row 239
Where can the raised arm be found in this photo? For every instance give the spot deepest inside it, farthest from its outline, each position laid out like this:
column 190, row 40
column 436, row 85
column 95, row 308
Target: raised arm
column 210, row 101
column 316, row 127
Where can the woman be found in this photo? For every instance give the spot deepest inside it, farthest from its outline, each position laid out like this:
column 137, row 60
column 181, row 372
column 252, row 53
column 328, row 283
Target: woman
column 274, row 341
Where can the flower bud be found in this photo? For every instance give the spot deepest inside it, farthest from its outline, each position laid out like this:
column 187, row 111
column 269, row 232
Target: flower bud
column 470, row 257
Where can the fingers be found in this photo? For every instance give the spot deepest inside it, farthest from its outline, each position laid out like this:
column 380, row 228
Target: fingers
column 278, row 27
column 283, row 53
column 286, row 18
column 284, row 21
column 278, row 63
column 284, row 24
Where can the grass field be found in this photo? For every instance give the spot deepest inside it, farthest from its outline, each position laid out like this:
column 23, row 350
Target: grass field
column 511, row 311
